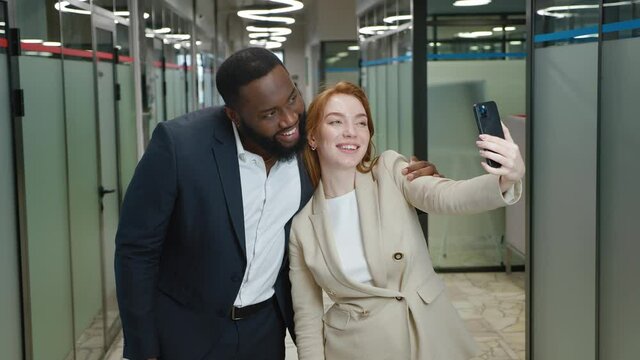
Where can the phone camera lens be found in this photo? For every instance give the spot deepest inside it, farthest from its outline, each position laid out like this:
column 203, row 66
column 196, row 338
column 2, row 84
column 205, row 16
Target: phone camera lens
column 483, row 111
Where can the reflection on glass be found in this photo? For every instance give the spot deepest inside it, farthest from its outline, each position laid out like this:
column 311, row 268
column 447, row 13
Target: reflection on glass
column 340, row 62
column 105, row 4
column 39, row 30
column 566, row 21
column 621, row 19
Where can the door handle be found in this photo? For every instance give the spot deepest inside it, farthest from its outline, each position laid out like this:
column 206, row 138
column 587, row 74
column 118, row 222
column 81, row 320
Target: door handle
column 102, row 191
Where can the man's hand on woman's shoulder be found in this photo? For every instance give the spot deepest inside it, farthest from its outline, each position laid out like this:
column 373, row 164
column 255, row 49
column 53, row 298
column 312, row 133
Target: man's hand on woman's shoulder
column 418, row 168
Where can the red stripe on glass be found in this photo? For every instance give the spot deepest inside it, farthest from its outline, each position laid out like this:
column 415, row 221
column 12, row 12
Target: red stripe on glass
column 169, row 65
column 72, row 52
column 173, row 66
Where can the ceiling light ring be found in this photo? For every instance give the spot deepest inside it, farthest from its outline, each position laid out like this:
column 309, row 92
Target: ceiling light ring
column 264, row 14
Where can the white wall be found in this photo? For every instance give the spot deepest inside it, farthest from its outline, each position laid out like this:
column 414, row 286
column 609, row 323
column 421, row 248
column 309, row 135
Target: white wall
column 294, row 56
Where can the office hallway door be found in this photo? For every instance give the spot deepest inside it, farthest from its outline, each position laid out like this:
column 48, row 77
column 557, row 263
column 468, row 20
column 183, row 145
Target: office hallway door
column 107, row 95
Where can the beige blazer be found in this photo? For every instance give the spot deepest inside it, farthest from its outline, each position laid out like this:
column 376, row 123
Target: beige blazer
column 405, row 314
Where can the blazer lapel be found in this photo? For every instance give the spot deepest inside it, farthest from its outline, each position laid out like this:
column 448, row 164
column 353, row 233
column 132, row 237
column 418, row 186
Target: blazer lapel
column 368, row 207
column 226, row 158
column 324, row 235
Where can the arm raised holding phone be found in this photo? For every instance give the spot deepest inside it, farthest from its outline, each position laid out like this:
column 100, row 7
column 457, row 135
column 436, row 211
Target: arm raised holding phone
column 497, row 146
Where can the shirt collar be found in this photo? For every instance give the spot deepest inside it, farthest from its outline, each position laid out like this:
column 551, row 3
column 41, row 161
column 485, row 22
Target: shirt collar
column 242, row 153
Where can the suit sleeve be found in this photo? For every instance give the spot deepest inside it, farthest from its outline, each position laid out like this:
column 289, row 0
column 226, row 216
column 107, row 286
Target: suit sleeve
column 308, row 308
column 436, row 195
column 145, row 214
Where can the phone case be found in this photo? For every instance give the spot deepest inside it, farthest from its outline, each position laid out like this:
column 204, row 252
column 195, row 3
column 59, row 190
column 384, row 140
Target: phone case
column 488, row 122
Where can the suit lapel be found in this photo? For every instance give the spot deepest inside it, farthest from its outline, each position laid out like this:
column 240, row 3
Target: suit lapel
column 226, row 158
column 368, row 207
column 306, row 187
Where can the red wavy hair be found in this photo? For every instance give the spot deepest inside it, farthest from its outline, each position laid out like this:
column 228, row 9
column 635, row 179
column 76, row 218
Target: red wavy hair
column 315, row 114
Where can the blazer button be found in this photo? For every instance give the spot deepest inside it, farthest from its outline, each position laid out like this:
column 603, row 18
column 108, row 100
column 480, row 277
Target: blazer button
column 399, row 298
column 398, row 256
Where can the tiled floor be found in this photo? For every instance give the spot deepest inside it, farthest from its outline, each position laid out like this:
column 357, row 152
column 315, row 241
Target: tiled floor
column 492, row 305
column 90, row 343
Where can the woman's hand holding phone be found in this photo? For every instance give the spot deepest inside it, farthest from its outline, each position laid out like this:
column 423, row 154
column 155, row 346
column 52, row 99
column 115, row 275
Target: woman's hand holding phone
column 506, row 153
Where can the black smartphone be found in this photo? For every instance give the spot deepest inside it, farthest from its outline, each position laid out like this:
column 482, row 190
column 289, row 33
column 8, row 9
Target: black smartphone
column 488, row 121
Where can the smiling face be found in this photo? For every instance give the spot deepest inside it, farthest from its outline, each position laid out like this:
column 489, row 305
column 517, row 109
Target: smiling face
column 269, row 115
column 342, row 135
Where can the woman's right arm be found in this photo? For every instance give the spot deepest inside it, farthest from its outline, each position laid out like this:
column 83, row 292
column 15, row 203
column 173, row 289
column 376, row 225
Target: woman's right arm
column 307, row 305
column 438, row 195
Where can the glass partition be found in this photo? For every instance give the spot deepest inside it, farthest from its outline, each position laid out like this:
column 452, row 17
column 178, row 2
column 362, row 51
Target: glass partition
column 10, row 307
column 385, row 47
column 82, row 155
column 564, row 131
column 79, row 142
column 619, row 314
column 469, row 62
column 340, row 62
column 561, row 22
column 46, row 202
column 474, row 54
column 109, row 188
column 126, row 108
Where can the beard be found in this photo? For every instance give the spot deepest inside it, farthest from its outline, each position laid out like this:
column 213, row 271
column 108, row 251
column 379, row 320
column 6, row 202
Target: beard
column 271, row 145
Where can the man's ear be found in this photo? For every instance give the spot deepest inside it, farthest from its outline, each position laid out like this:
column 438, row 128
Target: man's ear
column 231, row 114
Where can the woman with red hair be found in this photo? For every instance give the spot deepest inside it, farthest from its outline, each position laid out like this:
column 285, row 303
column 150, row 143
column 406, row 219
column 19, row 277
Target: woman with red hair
column 359, row 240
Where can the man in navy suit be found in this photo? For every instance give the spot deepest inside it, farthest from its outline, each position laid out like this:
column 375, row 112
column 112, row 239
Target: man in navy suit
column 201, row 265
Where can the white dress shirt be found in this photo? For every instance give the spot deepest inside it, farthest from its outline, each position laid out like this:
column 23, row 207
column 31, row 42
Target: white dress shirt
column 345, row 223
column 269, row 202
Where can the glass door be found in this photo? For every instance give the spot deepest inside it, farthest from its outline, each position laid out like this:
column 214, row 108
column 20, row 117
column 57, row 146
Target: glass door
column 108, row 168
column 10, row 310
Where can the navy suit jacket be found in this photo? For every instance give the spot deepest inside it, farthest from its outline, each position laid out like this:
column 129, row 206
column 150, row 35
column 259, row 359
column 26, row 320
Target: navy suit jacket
column 180, row 248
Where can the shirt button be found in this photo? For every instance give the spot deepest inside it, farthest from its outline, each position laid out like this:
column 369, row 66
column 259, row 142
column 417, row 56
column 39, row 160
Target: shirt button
column 398, row 256
column 399, row 298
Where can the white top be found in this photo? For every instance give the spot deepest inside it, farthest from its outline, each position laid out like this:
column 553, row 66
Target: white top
column 345, row 221
column 269, row 202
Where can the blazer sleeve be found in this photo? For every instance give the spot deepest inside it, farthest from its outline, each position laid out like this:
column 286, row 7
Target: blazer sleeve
column 146, row 210
column 437, row 195
column 308, row 308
